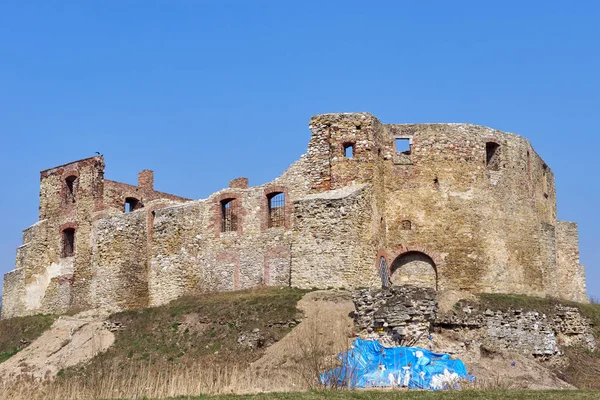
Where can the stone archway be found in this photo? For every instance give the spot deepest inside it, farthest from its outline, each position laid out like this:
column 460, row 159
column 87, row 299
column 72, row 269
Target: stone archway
column 414, row 268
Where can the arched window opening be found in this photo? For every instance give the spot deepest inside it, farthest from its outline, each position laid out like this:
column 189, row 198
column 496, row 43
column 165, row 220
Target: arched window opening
column 68, row 242
column 132, row 204
column 492, row 160
column 229, row 215
column 276, row 209
column 71, row 183
column 406, row 225
column 414, row 268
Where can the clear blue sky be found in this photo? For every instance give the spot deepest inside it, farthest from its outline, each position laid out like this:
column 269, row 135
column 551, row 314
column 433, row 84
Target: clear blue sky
column 206, row 91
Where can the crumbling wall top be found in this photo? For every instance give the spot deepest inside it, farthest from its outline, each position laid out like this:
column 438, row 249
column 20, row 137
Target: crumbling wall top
column 89, row 160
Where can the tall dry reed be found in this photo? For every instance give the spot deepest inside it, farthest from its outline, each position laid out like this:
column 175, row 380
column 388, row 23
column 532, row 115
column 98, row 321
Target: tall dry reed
column 144, row 380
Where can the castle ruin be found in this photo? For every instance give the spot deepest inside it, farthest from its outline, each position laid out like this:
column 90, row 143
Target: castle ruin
column 445, row 206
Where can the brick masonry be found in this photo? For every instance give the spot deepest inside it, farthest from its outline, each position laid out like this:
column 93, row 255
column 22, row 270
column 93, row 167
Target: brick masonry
column 467, row 208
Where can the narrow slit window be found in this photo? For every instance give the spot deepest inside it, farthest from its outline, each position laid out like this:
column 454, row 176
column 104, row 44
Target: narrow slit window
column 132, row 204
column 545, row 180
column 349, row 150
column 68, row 242
column 71, row 183
column 406, row 225
column 492, row 160
column 229, row 217
column 402, row 145
column 276, row 210
column 384, row 273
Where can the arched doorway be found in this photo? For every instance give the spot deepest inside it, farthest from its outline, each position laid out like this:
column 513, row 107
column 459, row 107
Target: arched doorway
column 414, row 268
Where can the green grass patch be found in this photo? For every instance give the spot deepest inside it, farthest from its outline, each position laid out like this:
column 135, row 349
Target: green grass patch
column 5, row 355
column 17, row 333
column 202, row 328
column 592, row 311
column 503, row 302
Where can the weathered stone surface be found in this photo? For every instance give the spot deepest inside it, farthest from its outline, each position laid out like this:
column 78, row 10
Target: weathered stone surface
column 530, row 332
column 399, row 315
column 408, row 314
column 466, row 209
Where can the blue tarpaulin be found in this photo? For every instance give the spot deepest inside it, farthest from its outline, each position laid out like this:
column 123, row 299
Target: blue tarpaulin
column 369, row 364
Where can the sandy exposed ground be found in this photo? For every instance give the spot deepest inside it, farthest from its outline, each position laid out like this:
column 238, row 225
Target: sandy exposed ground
column 326, row 328
column 326, row 321
column 69, row 341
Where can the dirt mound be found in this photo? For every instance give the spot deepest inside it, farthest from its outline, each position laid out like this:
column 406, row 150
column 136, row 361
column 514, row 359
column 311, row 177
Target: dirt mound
column 69, row 341
column 514, row 371
column 326, row 330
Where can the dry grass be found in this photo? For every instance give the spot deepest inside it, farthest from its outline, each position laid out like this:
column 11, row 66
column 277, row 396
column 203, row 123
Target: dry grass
column 162, row 379
column 125, row 372
column 187, row 383
column 134, row 382
column 419, row 395
column 582, row 370
column 316, row 353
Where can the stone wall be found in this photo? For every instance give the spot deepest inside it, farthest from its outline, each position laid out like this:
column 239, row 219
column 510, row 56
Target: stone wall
column 408, row 315
column 529, row 332
column 72, row 211
column 47, row 278
column 116, row 193
column 30, row 281
column 191, row 253
column 400, row 315
column 120, row 261
column 571, row 274
column 333, row 244
column 13, row 294
column 482, row 223
column 52, row 280
column 465, row 208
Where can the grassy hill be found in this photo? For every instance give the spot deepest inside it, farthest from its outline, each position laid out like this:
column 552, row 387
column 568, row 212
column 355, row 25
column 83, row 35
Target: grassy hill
column 207, row 343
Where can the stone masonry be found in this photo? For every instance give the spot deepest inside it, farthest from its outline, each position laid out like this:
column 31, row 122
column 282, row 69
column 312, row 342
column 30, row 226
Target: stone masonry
column 400, row 315
column 462, row 207
column 408, row 315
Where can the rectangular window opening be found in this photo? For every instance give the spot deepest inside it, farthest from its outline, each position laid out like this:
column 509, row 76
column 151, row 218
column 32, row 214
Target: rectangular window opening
column 276, row 210
column 402, row 145
column 68, row 238
column 71, row 185
column 229, row 217
column 131, row 204
column 492, row 160
column 349, row 150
